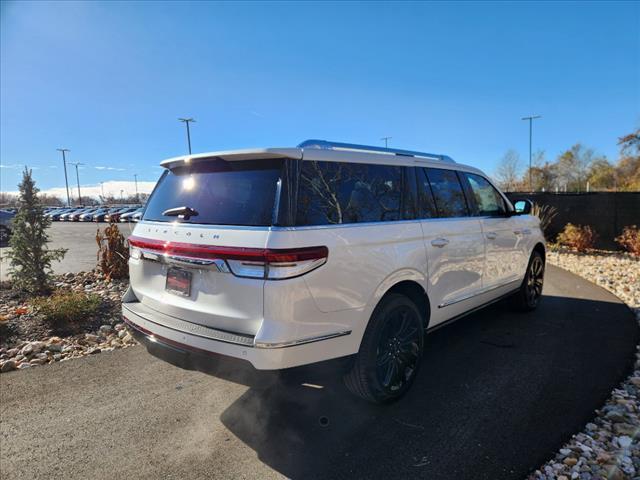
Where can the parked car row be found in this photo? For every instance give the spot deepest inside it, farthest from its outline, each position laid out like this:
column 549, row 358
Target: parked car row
column 96, row 214
column 6, row 219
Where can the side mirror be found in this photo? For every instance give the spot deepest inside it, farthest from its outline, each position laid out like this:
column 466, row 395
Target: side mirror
column 523, row 207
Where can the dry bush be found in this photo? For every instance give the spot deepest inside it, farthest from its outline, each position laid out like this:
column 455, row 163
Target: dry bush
column 546, row 214
column 67, row 309
column 113, row 253
column 630, row 239
column 578, row 237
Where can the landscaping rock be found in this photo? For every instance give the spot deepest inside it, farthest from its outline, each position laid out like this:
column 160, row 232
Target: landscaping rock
column 605, row 449
column 7, row 366
column 106, row 329
column 36, row 346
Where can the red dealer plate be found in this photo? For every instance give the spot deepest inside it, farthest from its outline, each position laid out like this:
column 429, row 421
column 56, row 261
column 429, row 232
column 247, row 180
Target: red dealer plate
column 178, row 282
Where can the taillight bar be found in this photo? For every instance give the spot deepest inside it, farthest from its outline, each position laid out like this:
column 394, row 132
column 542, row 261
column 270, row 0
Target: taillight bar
column 267, row 255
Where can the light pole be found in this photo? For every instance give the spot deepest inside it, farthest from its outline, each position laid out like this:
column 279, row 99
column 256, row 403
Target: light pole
column 64, row 163
column 187, row 121
column 531, row 119
column 135, row 176
column 121, row 198
column 102, row 190
column 386, row 141
column 78, row 180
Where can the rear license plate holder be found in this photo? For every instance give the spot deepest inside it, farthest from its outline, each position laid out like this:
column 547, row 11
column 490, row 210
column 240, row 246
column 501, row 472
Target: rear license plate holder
column 178, row 282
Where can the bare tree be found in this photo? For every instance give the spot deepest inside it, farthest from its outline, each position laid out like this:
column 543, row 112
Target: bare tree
column 507, row 170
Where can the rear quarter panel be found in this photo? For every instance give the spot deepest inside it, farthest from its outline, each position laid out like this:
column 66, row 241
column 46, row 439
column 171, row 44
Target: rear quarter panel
column 364, row 261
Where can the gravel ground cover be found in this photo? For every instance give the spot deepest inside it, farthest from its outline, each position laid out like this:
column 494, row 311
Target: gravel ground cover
column 608, row 447
column 26, row 341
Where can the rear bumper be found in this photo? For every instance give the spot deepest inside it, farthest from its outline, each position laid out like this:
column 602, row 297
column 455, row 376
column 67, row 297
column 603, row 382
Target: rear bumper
column 175, row 334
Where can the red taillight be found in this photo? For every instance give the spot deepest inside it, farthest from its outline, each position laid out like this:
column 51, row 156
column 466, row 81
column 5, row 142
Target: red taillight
column 244, row 262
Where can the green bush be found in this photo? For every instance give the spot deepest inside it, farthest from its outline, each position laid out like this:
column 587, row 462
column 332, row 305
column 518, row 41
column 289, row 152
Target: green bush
column 67, row 308
column 30, row 259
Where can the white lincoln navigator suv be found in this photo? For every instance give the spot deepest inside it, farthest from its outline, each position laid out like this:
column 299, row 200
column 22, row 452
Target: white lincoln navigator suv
column 290, row 256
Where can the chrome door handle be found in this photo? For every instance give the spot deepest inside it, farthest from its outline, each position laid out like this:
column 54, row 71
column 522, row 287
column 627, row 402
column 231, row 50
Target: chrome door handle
column 440, row 242
column 492, row 235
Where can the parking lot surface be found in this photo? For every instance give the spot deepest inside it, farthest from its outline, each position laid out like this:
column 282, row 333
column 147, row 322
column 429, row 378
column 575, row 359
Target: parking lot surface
column 497, row 394
column 80, row 240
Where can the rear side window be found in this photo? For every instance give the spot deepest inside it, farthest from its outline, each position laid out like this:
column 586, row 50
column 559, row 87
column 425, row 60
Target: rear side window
column 488, row 200
column 447, row 193
column 427, row 205
column 335, row 193
column 222, row 193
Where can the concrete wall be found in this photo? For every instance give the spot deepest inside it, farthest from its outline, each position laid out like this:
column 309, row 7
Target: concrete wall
column 606, row 212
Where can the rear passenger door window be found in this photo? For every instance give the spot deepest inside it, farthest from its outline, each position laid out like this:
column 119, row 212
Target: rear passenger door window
column 336, row 193
column 427, row 206
column 488, row 201
column 447, row 192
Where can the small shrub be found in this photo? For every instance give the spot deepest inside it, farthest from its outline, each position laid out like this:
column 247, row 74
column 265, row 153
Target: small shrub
column 67, row 309
column 30, row 259
column 581, row 238
column 546, row 214
column 113, row 252
column 629, row 240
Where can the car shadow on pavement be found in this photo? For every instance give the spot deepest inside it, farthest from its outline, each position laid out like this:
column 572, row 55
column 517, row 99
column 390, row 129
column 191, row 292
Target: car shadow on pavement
column 496, row 395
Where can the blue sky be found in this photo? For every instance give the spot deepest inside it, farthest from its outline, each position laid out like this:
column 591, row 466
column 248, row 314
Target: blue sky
column 108, row 80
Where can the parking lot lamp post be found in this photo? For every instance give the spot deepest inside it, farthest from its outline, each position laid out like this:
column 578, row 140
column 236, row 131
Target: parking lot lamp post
column 531, row 119
column 386, row 141
column 121, row 197
column 64, row 163
column 135, row 176
column 186, row 121
column 102, row 190
column 78, row 180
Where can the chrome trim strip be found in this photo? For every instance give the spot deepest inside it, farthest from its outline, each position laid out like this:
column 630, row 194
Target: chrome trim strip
column 195, row 329
column 216, row 264
column 202, row 225
column 302, row 341
column 314, row 227
column 477, row 294
column 469, row 312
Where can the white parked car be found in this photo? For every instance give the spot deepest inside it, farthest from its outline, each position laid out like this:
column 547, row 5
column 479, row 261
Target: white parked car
column 290, row 256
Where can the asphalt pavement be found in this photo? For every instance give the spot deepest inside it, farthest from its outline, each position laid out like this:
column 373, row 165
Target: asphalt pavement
column 79, row 238
column 497, row 395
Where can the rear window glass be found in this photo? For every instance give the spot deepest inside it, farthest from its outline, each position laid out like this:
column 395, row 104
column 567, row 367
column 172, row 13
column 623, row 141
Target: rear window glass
column 222, row 193
column 334, row 193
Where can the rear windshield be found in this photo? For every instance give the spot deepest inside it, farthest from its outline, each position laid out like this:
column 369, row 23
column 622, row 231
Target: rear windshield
column 222, row 193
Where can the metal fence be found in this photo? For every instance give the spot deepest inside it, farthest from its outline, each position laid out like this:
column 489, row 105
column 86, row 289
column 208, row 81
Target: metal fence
column 606, row 212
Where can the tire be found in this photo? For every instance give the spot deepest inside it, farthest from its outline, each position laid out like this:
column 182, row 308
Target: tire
column 527, row 298
column 390, row 353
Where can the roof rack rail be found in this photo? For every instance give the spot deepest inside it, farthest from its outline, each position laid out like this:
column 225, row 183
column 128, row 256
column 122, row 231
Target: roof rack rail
column 327, row 145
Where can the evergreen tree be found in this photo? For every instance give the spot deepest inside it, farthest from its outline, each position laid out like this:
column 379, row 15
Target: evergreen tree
column 30, row 260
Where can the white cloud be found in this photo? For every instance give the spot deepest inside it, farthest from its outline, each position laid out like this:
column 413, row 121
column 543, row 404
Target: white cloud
column 111, row 188
column 110, row 169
